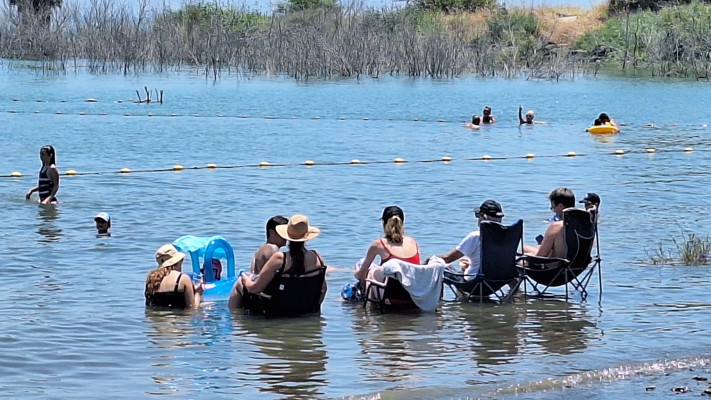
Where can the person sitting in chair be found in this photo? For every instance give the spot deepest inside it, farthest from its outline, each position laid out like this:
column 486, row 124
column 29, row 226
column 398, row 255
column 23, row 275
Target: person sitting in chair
column 395, row 244
column 553, row 243
column 469, row 249
column 297, row 261
column 273, row 244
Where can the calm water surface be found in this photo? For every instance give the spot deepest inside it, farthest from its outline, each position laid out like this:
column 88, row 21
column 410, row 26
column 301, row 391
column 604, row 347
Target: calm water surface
column 73, row 322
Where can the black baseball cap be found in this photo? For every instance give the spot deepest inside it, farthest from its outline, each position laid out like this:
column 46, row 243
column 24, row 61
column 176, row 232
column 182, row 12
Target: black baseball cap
column 590, row 198
column 490, row 208
column 392, row 211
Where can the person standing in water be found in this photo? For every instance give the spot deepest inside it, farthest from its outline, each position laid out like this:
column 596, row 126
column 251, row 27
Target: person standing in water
column 48, row 183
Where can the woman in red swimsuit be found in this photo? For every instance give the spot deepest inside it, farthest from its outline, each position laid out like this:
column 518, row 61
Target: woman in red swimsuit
column 394, row 245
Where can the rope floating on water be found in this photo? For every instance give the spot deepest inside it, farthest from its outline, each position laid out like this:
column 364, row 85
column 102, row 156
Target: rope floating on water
column 355, row 161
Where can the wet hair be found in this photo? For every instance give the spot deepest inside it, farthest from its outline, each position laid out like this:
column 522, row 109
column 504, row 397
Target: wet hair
column 393, row 223
column 562, row 195
column 597, row 122
column 487, row 108
column 603, row 118
column 476, row 120
column 297, row 251
column 52, row 155
column 153, row 283
column 274, row 221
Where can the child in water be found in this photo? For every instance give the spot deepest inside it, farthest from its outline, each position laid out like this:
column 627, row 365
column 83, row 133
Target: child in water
column 48, row 183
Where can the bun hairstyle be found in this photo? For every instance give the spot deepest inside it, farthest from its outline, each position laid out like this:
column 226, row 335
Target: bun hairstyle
column 393, row 224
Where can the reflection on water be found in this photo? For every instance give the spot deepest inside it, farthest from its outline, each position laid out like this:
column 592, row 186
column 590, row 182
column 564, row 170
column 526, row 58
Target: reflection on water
column 559, row 327
column 47, row 215
column 291, row 357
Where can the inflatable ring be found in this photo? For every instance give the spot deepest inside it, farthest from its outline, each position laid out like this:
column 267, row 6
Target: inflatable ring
column 603, row 129
column 202, row 251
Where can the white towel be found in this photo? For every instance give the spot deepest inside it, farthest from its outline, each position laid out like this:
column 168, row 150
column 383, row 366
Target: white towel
column 423, row 282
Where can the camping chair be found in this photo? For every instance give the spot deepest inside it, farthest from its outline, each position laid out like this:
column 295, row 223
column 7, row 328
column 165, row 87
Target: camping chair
column 498, row 257
column 288, row 295
column 580, row 230
column 391, row 290
column 407, row 286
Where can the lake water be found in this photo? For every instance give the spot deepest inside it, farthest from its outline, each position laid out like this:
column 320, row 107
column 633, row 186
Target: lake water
column 73, row 324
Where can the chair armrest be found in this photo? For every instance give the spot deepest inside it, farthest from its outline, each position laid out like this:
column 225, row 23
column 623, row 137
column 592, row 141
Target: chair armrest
column 536, row 260
column 376, row 283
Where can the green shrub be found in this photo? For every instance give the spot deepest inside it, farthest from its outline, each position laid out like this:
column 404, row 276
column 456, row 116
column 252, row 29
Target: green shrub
column 690, row 250
column 450, row 6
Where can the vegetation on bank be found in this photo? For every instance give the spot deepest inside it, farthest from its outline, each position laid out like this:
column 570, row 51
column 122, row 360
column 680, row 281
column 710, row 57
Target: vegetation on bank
column 320, row 38
column 690, row 249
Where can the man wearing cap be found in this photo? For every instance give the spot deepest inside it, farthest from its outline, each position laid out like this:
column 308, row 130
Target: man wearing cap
column 470, row 246
column 273, row 244
column 553, row 243
column 591, row 201
column 103, row 223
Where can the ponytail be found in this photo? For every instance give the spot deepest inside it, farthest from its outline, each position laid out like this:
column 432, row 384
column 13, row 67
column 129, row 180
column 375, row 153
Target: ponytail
column 394, row 229
column 297, row 252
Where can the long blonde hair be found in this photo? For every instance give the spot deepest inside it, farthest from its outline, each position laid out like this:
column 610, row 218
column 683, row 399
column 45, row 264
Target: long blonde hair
column 153, row 282
column 394, row 229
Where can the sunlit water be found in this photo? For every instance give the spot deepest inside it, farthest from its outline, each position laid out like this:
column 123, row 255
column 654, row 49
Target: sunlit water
column 73, row 324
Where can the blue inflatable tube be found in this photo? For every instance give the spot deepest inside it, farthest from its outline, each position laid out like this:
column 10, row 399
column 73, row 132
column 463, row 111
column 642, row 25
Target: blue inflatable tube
column 207, row 249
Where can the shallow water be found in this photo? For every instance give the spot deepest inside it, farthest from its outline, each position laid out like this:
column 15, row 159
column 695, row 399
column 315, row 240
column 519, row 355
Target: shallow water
column 73, row 310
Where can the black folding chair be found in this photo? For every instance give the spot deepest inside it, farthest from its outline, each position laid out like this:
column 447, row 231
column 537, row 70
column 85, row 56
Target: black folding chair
column 388, row 294
column 500, row 245
column 574, row 271
column 288, row 295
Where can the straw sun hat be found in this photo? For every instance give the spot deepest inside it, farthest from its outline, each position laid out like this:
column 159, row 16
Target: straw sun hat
column 298, row 229
column 167, row 256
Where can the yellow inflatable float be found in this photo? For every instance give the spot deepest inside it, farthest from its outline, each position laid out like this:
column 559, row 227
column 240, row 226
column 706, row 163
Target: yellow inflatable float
column 603, row 129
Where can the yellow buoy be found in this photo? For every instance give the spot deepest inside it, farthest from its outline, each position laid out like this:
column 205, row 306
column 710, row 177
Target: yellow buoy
column 71, row 172
column 125, row 170
column 571, row 154
column 309, row 162
column 355, row 161
column 264, row 164
column 446, row 158
column 651, row 150
column 398, row 160
column 177, row 167
column 16, row 174
column 211, row 166
column 689, row 149
column 486, row 157
column 619, row 152
column 530, row 155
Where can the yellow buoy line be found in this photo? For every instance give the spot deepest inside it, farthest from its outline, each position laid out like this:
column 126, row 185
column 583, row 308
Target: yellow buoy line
column 355, row 161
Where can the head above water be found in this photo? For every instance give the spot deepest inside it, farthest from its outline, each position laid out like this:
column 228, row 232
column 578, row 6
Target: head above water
column 393, row 224
column 603, row 118
column 298, row 229
column 167, row 256
column 47, row 153
column 529, row 115
column 562, row 196
column 597, row 122
column 476, row 120
column 272, row 223
column 487, row 110
column 489, row 210
column 103, row 222
column 590, row 200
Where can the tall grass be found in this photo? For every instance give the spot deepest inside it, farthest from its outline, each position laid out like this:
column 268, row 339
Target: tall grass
column 324, row 42
column 690, row 249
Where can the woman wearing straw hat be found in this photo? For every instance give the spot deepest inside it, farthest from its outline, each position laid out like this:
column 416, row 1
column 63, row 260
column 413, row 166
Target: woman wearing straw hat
column 167, row 286
column 297, row 261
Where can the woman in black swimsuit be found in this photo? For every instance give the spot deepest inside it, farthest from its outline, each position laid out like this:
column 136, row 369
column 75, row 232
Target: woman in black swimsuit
column 297, row 261
column 48, row 183
column 167, row 286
